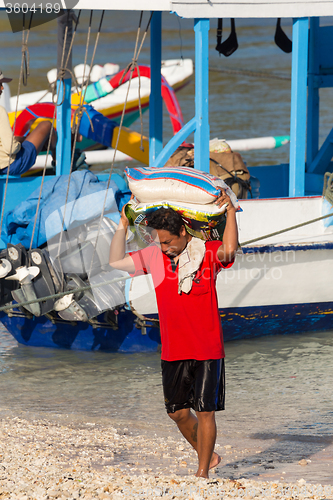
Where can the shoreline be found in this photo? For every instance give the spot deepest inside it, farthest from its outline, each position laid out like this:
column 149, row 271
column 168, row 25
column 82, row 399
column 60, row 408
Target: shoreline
column 42, row 459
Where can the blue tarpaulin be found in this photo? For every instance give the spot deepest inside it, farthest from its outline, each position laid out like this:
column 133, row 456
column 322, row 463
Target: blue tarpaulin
column 85, row 201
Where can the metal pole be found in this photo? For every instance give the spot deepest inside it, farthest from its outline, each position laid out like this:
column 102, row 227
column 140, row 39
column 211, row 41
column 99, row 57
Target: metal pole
column 298, row 106
column 155, row 100
column 201, row 134
column 63, row 151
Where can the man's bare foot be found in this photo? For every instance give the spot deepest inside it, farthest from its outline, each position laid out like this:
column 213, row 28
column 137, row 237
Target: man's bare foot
column 214, row 461
column 201, row 473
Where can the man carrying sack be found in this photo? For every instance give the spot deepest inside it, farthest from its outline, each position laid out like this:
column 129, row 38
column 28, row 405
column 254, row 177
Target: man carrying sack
column 184, row 271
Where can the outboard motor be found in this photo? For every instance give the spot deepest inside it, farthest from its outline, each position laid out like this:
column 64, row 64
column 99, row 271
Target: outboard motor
column 36, row 282
column 79, row 306
column 86, row 305
column 24, row 276
column 12, row 258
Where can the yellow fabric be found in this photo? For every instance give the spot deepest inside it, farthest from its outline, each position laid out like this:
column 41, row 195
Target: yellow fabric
column 6, row 137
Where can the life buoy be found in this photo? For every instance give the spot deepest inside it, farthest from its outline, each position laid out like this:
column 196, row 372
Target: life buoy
column 26, row 118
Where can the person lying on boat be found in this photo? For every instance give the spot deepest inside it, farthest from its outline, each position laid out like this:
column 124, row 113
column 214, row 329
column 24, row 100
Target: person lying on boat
column 19, row 153
column 184, row 271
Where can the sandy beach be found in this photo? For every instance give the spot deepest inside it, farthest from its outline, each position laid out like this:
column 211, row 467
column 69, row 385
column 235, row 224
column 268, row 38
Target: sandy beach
column 44, row 459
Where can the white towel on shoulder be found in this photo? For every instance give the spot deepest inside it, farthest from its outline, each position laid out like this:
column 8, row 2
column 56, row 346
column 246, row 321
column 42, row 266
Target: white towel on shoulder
column 189, row 262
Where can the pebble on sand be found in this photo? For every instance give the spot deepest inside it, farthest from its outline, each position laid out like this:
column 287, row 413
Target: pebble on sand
column 42, row 460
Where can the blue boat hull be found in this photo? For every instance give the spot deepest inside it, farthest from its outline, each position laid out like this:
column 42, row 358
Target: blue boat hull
column 42, row 332
column 248, row 322
column 238, row 323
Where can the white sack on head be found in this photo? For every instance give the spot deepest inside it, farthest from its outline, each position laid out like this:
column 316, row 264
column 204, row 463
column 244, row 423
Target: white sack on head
column 176, row 184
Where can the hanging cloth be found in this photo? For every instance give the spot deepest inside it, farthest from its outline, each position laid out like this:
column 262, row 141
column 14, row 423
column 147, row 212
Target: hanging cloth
column 189, row 262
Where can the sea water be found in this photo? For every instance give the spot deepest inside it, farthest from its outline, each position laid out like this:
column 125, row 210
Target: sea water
column 249, row 91
column 279, row 389
column 278, row 398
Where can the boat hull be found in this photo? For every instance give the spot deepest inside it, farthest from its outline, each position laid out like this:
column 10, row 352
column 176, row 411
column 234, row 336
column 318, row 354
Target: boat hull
column 239, row 323
column 279, row 288
column 42, row 332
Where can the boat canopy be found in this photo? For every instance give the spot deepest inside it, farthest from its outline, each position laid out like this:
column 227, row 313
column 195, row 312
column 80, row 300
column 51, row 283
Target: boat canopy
column 212, row 8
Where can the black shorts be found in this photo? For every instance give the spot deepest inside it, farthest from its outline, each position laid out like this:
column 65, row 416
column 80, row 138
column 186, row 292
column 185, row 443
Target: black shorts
column 193, row 384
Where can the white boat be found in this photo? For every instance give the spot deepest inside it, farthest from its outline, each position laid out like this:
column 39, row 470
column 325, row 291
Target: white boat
column 177, row 72
column 282, row 281
column 277, row 285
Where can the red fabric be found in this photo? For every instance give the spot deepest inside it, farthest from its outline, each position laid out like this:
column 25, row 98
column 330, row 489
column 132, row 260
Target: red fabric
column 190, row 323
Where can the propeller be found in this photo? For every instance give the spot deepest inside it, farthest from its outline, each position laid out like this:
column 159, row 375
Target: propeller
column 5, row 267
column 24, row 275
column 63, row 302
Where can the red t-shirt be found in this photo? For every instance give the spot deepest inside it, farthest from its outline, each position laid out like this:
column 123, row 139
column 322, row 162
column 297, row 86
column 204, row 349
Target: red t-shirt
column 190, row 324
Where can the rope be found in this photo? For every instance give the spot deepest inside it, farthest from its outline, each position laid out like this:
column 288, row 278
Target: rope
column 23, row 59
column 63, row 67
column 83, row 95
column 78, row 113
column 76, row 123
column 43, row 178
column 233, row 178
column 180, row 39
column 125, row 278
column 285, row 230
column 62, row 294
column 130, row 67
column 25, row 51
column 52, row 128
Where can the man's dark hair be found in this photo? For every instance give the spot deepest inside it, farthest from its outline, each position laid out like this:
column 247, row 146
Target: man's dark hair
column 167, row 219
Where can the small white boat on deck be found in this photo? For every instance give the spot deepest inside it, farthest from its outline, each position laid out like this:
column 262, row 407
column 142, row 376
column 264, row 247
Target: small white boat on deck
column 177, row 72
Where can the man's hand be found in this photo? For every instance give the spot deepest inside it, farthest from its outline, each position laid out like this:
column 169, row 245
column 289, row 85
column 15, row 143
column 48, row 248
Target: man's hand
column 123, row 218
column 224, row 199
column 227, row 251
column 118, row 258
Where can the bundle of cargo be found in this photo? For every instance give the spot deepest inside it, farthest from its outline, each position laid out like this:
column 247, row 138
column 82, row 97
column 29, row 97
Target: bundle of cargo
column 223, row 163
column 190, row 192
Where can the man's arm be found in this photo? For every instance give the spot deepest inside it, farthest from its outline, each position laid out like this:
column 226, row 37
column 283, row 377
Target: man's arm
column 227, row 251
column 118, row 258
column 7, row 140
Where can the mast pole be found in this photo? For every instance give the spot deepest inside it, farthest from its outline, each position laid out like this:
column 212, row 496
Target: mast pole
column 201, row 134
column 155, row 99
column 299, row 73
column 63, row 150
